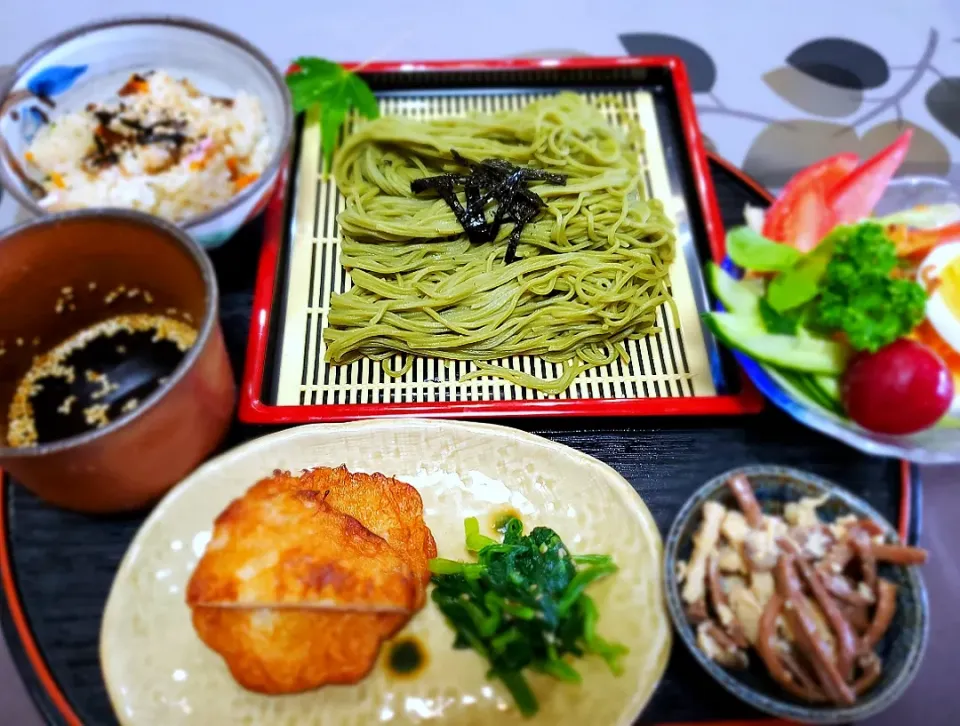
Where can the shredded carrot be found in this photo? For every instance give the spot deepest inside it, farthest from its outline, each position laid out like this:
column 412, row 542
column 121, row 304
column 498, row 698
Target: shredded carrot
column 208, row 153
column 57, row 180
column 136, row 84
column 928, row 335
column 929, row 279
column 911, row 241
column 234, row 166
column 245, row 181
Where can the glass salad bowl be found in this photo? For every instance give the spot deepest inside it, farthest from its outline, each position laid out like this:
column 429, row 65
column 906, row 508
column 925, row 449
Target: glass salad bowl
column 815, row 400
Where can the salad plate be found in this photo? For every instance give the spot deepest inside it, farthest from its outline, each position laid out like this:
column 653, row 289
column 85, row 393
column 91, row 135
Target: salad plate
column 841, row 302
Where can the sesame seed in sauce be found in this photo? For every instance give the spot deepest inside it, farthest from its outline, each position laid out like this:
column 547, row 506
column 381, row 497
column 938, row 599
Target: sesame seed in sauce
column 96, row 415
column 21, row 428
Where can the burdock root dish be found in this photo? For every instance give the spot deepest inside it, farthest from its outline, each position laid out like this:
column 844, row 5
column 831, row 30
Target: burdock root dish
column 804, row 594
column 305, row 576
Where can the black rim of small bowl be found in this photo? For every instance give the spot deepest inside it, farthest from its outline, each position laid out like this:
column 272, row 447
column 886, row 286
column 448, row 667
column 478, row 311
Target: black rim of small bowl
column 775, row 704
column 23, row 65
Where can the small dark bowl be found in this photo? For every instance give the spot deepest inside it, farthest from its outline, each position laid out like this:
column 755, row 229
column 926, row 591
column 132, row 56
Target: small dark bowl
column 901, row 650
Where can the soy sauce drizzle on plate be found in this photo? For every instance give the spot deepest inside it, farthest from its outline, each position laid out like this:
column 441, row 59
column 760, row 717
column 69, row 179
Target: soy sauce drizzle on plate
column 501, row 517
column 407, row 657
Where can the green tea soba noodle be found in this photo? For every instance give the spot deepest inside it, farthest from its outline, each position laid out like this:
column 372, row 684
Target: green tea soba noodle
column 591, row 268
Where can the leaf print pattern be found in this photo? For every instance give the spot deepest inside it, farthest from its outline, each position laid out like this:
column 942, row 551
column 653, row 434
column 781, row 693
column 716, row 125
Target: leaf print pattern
column 928, row 155
column 779, row 151
column 700, row 66
column 841, row 62
column 943, row 103
column 829, row 78
column 811, row 94
column 701, row 69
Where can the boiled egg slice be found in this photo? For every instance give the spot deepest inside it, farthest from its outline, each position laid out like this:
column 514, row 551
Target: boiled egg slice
column 940, row 276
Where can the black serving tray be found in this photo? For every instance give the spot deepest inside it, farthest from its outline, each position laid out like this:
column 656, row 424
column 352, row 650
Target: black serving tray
column 60, row 565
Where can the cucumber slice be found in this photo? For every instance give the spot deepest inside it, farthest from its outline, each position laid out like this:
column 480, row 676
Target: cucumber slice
column 821, row 394
column 830, row 387
column 802, row 387
column 783, row 351
column 737, row 296
column 804, row 383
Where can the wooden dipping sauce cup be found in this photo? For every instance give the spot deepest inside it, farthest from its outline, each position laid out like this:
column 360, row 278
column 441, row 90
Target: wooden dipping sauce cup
column 63, row 274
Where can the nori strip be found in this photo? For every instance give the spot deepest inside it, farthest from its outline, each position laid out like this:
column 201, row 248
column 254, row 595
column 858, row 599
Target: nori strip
column 504, row 184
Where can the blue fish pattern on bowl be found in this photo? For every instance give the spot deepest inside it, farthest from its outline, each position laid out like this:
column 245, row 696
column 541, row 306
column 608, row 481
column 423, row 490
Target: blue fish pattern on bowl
column 31, row 119
column 54, row 80
column 45, row 85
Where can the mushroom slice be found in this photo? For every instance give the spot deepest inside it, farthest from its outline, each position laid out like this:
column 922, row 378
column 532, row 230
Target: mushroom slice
column 718, row 646
column 704, row 542
column 746, row 609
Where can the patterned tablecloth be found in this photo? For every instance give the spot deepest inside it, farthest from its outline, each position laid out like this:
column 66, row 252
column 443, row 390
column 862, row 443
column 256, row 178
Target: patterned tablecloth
column 776, row 88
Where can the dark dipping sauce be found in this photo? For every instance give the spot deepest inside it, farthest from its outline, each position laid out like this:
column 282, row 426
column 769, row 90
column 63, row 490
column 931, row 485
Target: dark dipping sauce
column 79, row 387
column 406, row 658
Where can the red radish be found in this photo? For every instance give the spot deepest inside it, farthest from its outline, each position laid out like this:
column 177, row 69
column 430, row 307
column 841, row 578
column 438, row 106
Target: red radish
column 855, row 198
column 902, row 388
column 795, row 214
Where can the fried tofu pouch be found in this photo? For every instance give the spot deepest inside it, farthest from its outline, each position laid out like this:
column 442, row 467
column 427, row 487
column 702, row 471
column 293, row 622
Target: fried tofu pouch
column 280, row 545
column 276, row 651
column 388, row 507
column 294, row 593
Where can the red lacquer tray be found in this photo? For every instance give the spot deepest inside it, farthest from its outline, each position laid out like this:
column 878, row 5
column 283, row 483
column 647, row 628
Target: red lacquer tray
column 681, row 372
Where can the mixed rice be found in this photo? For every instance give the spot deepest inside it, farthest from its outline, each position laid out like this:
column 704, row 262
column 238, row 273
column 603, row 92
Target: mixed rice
column 161, row 147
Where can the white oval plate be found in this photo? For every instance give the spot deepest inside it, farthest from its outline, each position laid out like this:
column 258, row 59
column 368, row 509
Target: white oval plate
column 158, row 672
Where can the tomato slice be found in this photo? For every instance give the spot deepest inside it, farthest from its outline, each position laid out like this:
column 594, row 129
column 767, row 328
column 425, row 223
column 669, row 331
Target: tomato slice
column 855, row 197
column 801, row 216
